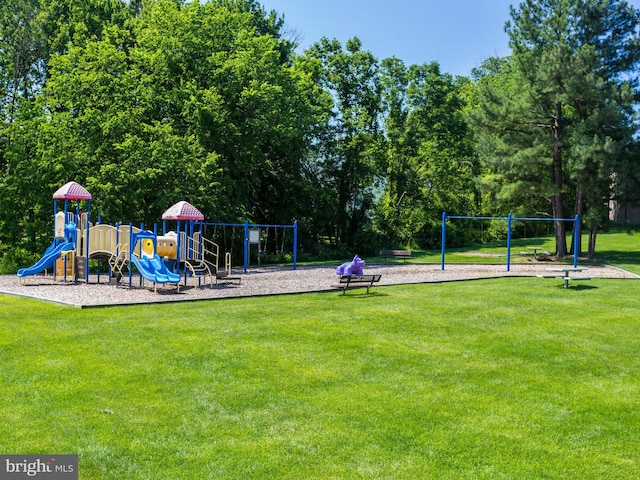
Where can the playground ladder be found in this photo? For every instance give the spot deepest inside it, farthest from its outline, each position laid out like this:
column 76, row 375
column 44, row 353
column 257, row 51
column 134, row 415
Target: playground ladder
column 118, row 261
column 199, row 269
column 204, row 258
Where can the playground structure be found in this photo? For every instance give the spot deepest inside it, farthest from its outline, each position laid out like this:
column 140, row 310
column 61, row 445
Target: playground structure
column 62, row 247
column 510, row 219
column 159, row 259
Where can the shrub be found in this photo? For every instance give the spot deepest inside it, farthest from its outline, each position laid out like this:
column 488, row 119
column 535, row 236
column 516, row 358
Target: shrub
column 15, row 259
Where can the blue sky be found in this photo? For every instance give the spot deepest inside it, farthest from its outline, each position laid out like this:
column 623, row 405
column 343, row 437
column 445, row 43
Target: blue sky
column 458, row 34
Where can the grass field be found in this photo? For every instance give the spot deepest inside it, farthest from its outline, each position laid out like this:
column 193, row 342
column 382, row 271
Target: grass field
column 507, row 378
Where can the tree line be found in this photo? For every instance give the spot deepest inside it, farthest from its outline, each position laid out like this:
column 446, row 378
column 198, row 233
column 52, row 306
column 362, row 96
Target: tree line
column 148, row 102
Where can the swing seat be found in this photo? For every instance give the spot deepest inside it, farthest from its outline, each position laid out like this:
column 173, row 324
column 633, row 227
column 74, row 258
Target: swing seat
column 225, row 279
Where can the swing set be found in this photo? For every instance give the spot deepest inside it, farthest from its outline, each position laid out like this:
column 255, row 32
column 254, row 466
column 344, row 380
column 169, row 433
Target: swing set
column 256, row 234
column 263, row 240
column 510, row 219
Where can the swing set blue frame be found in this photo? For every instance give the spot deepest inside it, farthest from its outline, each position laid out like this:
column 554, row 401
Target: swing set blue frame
column 510, row 218
column 248, row 226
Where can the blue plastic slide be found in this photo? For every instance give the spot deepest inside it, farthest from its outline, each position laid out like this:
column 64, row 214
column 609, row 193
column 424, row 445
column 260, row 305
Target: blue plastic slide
column 154, row 269
column 52, row 253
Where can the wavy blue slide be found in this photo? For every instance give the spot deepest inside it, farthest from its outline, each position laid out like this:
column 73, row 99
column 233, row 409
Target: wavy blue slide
column 154, row 270
column 52, row 253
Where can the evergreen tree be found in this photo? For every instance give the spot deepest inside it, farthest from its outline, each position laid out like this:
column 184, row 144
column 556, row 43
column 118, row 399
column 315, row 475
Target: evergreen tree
column 564, row 105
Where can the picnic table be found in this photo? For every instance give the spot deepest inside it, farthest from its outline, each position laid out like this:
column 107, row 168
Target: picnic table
column 535, row 251
column 565, row 274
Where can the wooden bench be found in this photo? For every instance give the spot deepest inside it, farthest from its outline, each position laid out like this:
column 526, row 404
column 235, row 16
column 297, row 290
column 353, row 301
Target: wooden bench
column 357, row 281
column 403, row 254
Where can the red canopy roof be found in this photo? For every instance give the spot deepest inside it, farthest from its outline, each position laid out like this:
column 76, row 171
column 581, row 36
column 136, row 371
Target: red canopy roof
column 72, row 191
column 182, row 211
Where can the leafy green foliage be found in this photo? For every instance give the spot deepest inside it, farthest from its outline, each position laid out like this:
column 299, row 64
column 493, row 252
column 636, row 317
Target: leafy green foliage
column 14, row 259
column 146, row 103
column 168, row 102
column 430, row 159
column 349, row 143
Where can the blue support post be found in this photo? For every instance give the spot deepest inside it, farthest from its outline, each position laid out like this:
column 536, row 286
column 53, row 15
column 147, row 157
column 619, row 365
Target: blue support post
column 246, row 245
column 295, row 243
column 86, row 242
column 117, row 245
column 576, row 240
column 177, row 269
column 142, row 230
column 509, row 217
column 130, row 253
column 444, row 236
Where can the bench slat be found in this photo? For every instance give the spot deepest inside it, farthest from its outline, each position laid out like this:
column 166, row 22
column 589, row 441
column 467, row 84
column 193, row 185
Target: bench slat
column 359, row 278
column 357, row 281
column 565, row 278
column 395, row 253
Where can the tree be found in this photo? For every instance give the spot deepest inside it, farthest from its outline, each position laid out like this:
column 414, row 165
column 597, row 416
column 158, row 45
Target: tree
column 187, row 101
column 430, row 159
column 150, row 102
column 28, row 30
column 349, row 147
column 512, row 179
column 573, row 67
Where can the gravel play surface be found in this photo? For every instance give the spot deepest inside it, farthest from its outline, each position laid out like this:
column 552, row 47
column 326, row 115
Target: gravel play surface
column 266, row 281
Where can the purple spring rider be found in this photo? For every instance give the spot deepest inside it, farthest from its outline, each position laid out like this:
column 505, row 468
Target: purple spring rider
column 354, row 267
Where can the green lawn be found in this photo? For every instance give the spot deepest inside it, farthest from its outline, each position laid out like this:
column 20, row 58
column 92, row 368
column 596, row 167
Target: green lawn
column 508, row 378
column 511, row 378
